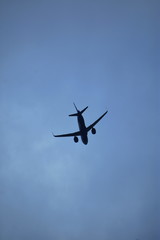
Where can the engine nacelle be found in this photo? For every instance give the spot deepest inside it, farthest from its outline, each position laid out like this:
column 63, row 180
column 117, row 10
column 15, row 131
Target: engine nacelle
column 93, row 131
column 75, row 139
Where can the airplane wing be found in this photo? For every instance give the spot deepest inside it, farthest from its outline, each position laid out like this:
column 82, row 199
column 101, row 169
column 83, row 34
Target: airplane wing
column 93, row 124
column 69, row 134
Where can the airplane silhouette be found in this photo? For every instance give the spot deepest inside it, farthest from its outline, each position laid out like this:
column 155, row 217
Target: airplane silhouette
column 83, row 130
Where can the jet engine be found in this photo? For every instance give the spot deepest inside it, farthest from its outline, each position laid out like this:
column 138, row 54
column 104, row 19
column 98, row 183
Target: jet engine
column 93, row 131
column 75, row 139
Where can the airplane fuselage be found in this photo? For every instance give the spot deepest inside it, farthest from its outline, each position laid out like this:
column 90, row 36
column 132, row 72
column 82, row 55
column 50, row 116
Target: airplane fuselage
column 82, row 129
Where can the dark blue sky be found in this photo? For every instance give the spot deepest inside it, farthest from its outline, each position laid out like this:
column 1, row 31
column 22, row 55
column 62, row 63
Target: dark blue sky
column 101, row 54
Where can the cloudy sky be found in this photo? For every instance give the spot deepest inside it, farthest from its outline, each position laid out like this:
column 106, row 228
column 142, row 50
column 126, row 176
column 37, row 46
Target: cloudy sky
column 102, row 54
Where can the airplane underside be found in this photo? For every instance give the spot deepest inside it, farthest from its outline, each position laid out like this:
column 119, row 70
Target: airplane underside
column 83, row 130
column 84, row 139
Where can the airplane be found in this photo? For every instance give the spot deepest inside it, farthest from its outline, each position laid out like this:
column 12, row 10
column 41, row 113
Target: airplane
column 83, row 130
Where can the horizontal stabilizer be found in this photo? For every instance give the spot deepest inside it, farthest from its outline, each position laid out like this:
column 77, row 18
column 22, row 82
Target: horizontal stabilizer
column 84, row 110
column 78, row 112
column 73, row 115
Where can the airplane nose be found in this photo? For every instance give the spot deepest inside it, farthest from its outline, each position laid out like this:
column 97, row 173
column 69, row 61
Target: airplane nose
column 85, row 141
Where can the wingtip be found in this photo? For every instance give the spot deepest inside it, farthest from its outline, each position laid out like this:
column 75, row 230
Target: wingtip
column 53, row 134
column 106, row 112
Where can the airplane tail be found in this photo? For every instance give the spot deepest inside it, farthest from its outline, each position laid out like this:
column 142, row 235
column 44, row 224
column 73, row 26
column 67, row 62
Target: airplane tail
column 84, row 110
column 73, row 115
column 78, row 112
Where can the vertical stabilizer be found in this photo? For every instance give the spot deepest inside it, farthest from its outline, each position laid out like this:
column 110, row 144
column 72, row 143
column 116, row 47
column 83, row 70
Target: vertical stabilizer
column 76, row 107
column 74, row 114
column 84, row 110
column 78, row 112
